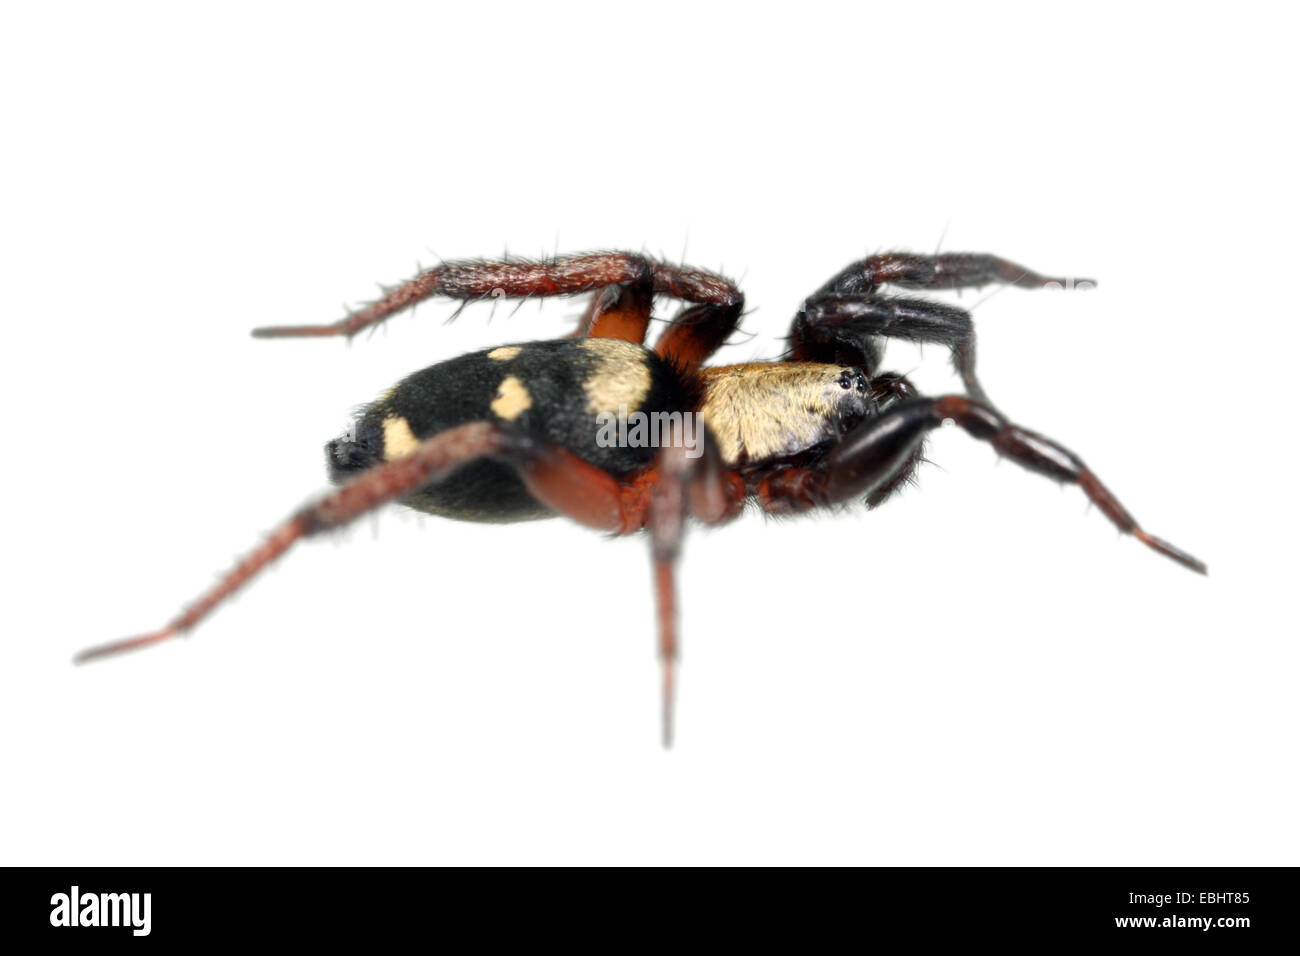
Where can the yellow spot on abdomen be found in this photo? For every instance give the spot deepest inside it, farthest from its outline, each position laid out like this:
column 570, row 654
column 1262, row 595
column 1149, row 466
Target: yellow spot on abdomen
column 512, row 399
column 505, row 353
column 621, row 376
column 399, row 440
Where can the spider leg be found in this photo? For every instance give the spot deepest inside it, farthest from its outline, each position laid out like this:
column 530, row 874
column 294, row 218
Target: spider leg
column 950, row 270
column 469, row 280
column 871, row 458
column 591, row 496
column 888, row 390
column 472, row 279
column 799, row 489
column 659, row 499
column 579, row 490
column 432, row 460
column 669, row 504
column 701, row 329
column 559, row 478
column 619, row 312
column 848, row 318
column 835, row 326
column 874, row 451
column 685, row 486
column 697, row 332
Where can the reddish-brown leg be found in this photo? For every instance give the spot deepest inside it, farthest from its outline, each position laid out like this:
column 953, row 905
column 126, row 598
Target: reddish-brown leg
column 698, row 331
column 432, row 460
column 619, row 312
column 478, row 279
column 659, row 499
column 555, row 476
column 563, row 275
column 685, row 486
column 563, row 481
column 577, row 489
column 669, row 504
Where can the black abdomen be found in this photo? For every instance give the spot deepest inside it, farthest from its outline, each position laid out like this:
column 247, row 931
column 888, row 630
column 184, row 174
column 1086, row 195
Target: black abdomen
column 555, row 391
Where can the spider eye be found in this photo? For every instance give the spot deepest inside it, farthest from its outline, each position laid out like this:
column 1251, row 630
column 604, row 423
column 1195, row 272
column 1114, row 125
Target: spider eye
column 853, row 378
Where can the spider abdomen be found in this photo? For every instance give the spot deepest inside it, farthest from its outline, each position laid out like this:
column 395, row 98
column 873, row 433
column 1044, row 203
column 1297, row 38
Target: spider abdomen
column 558, row 391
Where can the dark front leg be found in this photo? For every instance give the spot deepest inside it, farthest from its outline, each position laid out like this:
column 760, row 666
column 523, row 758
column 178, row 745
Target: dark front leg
column 889, row 390
column 838, row 327
column 950, row 270
column 848, row 319
column 874, row 453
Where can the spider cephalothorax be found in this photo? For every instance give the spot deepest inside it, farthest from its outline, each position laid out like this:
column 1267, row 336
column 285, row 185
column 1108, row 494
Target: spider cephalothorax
column 527, row 430
column 763, row 412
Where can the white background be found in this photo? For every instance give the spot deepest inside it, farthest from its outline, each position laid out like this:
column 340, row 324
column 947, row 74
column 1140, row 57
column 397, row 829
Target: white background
column 981, row 672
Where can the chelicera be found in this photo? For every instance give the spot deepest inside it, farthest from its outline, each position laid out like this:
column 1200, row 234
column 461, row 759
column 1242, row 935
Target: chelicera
column 514, row 432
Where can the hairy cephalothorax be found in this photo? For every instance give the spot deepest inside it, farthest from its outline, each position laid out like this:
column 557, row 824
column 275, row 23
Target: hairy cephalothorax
column 522, row 431
column 760, row 412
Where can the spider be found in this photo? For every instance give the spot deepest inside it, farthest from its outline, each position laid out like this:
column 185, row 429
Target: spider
column 515, row 432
